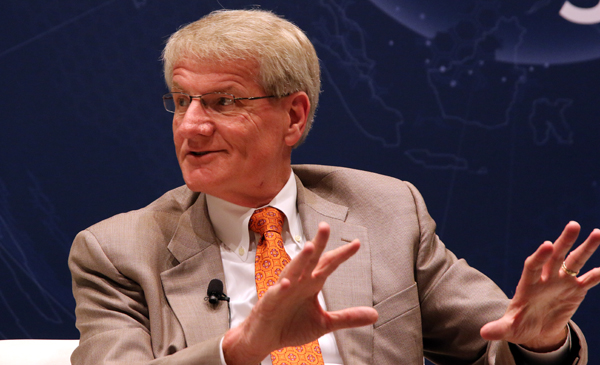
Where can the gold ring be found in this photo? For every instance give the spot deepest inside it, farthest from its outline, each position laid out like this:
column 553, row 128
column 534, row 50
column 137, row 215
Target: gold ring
column 569, row 272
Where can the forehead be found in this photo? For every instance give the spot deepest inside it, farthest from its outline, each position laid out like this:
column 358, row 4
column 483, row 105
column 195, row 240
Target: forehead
column 209, row 76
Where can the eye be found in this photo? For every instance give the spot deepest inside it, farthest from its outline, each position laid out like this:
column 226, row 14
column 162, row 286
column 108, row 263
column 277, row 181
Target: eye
column 219, row 102
column 224, row 101
column 181, row 100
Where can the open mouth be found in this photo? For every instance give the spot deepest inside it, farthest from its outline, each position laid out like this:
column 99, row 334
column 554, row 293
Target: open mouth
column 200, row 153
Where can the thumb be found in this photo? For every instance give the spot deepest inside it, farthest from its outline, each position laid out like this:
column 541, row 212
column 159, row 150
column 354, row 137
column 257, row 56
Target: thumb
column 353, row 317
column 496, row 330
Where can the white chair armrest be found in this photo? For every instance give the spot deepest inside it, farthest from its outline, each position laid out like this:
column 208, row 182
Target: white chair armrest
column 36, row 352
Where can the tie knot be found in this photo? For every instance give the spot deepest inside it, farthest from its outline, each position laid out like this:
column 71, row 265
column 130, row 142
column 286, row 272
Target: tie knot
column 266, row 219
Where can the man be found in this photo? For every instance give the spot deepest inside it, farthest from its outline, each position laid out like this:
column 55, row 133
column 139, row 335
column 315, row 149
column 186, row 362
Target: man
column 244, row 87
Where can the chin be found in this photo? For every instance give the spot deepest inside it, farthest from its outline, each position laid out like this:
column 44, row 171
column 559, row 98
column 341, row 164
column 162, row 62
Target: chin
column 196, row 180
column 195, row 188
column 193, row 184
column 208, row 186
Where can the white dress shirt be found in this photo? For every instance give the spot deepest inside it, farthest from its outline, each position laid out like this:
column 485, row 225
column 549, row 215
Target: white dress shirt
column 238, row 249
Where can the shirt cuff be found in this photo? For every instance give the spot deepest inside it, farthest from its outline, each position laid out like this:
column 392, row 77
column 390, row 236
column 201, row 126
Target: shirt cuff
column 221, row 351
column 548, row 358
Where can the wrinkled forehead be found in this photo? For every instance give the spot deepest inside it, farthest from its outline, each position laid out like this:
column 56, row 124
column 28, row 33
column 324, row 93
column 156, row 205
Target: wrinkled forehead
column 214, row 60
column 233, row 76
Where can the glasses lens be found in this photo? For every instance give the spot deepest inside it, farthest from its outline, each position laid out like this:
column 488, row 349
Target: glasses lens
column 168, row 102
column 176, row 102
column 219, row 102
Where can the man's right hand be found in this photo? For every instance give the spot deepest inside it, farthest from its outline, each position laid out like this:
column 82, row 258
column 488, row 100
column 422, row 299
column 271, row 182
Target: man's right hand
column 289, row 314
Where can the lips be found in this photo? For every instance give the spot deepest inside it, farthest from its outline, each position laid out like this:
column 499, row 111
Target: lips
column 203, row 153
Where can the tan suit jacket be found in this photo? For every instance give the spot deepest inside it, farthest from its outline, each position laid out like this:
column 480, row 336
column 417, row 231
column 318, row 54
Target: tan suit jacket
column 140, row 279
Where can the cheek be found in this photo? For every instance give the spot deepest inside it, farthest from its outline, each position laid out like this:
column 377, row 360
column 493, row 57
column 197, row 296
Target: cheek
column 178, row 142
column 175, row 129
column 177, row 135
column 242, row 135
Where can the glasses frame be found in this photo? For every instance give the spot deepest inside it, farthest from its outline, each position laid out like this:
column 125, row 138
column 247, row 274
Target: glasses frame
column 199, row 97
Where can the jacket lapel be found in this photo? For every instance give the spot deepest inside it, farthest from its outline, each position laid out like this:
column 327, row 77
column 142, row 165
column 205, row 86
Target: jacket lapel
column 350, row 285
column 195, row 246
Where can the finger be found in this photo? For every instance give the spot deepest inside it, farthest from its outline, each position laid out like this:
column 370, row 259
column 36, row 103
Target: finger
column 352, row 317
column 578, row 257
column 590, row 279
column 330, row 261
column 562, row 246
column 300, row 264
column 496, row 330
column 534, row 264
column 308, row 258
column 278, row 291
column 319, row 242
column 321, row 238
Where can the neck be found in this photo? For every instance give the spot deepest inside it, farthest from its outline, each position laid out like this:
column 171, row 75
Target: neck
column 261, row 194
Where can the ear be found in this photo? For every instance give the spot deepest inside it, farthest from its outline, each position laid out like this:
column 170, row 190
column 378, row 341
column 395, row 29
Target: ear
column 298, row 107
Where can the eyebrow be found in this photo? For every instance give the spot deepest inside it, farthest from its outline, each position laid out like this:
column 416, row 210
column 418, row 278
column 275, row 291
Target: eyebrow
column 176, row 86
column 227, row 90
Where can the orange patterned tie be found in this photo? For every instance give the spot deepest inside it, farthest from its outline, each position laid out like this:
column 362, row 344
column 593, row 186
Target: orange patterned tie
column 270, row 260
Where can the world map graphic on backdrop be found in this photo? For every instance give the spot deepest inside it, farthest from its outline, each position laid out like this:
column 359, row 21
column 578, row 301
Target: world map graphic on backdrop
column 531, row 32
column 481, row 53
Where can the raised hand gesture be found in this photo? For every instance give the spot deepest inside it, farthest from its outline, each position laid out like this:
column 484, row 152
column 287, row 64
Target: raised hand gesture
column 289, row 313
column 548, row 294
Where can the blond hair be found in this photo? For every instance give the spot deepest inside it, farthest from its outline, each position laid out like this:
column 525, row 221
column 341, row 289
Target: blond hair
column 286, row 59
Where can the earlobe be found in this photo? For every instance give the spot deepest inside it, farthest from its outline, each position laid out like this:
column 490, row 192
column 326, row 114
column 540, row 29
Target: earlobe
column 298, row 109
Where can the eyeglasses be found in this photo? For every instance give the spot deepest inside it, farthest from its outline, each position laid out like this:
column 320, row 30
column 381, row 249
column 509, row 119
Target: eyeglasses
column 216, row 102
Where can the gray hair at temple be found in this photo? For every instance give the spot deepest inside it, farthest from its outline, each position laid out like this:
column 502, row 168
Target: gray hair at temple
column 286, row 59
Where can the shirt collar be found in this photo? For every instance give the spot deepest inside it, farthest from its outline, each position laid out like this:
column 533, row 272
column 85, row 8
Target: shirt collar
column 230, row 221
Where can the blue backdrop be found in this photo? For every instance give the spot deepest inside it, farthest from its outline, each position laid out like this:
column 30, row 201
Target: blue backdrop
column 489, row 107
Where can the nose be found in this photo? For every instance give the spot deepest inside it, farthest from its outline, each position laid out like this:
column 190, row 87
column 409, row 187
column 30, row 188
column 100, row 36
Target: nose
column 195, row 121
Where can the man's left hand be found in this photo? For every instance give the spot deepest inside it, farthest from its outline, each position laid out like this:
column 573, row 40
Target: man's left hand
column 548, row 294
